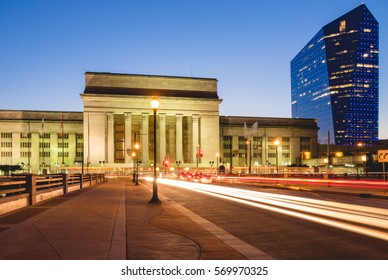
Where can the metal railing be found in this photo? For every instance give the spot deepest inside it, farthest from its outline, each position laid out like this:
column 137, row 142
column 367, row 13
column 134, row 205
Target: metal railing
column 36, row 188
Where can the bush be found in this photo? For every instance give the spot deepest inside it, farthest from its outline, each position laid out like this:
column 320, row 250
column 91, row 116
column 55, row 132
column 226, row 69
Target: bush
column 6, row 168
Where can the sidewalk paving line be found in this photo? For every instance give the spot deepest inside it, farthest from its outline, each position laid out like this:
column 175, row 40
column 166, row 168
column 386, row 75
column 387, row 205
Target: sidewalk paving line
column 245, row 249
column 118, row 246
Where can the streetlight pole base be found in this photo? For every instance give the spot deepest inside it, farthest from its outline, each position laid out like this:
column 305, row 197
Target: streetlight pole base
column 155, row 198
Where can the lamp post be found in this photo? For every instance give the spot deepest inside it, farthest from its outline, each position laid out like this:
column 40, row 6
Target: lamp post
column 276, row 142
column 364, row 157
column 134, row 168
column 217, row 157
column 155, row 199
column 197, row 156
column 211, row 163
column 249, row 157
column 137, row 146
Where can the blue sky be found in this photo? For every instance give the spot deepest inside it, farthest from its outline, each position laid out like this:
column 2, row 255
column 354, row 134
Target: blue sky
column 47, row 46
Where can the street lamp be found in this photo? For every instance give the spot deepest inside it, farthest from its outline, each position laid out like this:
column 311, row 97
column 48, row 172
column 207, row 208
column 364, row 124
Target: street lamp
column 276, row 142
column 137, row 146
column 364, row 157
column 197, row 156
column 155, row 199
column 249, row 158
column 217, row 156
column 211, row 166
column 134, row 167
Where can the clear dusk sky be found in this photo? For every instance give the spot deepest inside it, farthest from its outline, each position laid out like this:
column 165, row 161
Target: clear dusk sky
column 46, row 46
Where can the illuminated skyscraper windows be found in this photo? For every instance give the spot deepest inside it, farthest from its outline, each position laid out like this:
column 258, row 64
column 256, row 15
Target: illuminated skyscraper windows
column 334, row 79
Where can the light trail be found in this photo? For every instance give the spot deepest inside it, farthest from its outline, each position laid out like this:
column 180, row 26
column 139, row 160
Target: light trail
column 357, row 184
column 364, row 220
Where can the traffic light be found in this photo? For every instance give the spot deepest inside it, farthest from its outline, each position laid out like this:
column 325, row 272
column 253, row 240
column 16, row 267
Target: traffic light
column 201, row 153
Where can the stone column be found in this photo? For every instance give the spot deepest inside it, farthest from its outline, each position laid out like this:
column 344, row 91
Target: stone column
column 264, row 150
column 144, row 139
column 179, row 138
column 110, row 145
column 85, row 141
column 195, row 134
column 162, row 136
column 128, row 135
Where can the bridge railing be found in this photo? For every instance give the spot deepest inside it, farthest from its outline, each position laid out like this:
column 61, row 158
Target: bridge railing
column 28, row 189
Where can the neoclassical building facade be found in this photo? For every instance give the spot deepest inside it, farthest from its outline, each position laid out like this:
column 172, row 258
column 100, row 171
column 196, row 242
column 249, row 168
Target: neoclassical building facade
column 117, row 126
column 118, row 114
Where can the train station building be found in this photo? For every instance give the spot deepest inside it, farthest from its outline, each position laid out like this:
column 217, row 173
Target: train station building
column 116, row 128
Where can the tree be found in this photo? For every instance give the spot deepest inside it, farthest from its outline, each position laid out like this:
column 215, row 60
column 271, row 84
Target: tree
column 6, row 168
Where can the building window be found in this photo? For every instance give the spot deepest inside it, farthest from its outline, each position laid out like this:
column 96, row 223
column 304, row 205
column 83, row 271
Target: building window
column 79, row 146
column 63, row 145
column 44, row 145
column 44, row 154
column 6, row 154
column 6, row 144
column 119, row 143
column 45, row 136
column 65, row 154
column 25, row 154
column 6, row 135
column 342, row 27
column 65, row 136
column 25, row 145
column 271, row 147
column 227, row 155
column 305, row 144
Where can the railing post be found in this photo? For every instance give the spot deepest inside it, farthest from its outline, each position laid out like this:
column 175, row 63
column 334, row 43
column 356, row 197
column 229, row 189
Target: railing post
column 65, row 183
column 31, row 188
column 90, row 179
column 81, row 181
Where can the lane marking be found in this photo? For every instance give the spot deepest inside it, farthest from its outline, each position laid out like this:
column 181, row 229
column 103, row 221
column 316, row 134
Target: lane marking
column 245, row 249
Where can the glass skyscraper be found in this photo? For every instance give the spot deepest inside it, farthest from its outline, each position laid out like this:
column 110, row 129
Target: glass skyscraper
column 335, row 79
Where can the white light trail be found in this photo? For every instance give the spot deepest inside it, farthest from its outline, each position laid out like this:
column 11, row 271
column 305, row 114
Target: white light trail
column 364, row 220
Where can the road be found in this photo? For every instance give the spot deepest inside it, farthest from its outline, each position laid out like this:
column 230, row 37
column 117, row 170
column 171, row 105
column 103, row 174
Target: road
column 291, row 224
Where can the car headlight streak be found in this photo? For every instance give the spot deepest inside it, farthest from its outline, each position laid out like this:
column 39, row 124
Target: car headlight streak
column 364, row 220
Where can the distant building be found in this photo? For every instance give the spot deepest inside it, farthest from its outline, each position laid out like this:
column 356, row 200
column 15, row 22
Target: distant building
column 271, row 141
column 40, row 140
column 335, row 79
column 117, row 115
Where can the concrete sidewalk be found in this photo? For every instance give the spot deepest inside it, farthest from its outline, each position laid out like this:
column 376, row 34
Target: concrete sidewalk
column 113, row 220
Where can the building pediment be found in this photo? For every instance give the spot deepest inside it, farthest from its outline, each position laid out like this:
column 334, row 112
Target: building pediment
column 148, row 85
